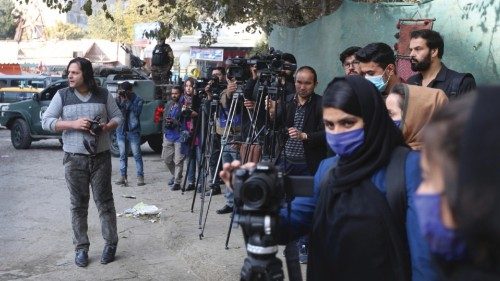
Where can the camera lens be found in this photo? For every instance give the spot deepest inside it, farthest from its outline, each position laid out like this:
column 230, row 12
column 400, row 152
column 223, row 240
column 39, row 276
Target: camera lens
column 254, row 193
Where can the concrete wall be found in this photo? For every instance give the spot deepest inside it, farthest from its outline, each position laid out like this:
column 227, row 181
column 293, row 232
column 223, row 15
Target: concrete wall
column 469, row 27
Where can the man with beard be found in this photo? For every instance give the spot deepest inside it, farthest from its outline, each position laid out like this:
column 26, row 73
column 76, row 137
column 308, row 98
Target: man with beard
column 349, row 61
column 172, row 152
column 427, row 49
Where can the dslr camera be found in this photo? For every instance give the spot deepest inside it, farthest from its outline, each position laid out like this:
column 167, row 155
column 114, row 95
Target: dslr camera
column 170, row 123
column 95, row 125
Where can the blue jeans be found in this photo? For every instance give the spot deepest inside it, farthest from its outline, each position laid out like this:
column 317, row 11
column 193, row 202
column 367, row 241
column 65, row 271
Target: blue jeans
column 134, row 140
column 230, row 154
column 193, row 156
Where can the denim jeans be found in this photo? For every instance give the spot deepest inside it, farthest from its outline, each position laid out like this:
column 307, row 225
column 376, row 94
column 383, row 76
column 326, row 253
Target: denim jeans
column 134, row 140
column 81, row 171
column 194, row 157
column 230, row 154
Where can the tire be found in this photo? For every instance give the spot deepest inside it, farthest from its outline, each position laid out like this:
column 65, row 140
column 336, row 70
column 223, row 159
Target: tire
column 156, row 143
column 20, row 134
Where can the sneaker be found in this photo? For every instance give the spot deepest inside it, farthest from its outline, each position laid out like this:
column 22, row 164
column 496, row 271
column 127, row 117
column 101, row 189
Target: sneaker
column 190, row 187
column 140, row 181
column 175, row 187
column 171, row 182
column 122, row 181
column 303, row 254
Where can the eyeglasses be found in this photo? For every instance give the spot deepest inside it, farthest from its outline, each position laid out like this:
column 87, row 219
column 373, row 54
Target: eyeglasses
column 349, row 64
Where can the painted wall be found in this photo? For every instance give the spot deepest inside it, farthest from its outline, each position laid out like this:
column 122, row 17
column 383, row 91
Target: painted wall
column 470, row 29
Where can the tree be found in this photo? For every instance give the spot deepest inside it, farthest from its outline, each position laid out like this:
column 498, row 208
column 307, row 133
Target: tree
column 7, row 22
column 65, row 31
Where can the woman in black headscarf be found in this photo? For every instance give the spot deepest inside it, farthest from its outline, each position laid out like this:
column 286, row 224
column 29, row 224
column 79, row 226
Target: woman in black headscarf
column 458, row 202
column 360, row 232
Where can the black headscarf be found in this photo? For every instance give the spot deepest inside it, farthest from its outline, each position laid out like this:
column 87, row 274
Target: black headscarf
column 477, row 209
column 381, row 136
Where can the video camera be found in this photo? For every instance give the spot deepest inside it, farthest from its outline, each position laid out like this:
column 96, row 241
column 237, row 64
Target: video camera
column 239, row 69
column 258, row 198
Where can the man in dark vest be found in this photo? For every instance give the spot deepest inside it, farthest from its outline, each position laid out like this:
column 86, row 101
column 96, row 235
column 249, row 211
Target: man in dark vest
column 427, row 48
column 86, row 114
column 161, row 62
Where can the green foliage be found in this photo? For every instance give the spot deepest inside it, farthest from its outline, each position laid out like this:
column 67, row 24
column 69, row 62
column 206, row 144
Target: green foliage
column 65, row 31
column 7, row 21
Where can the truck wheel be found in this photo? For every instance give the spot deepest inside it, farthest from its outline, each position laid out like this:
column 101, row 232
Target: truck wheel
column 20, row 134
column 156, row 143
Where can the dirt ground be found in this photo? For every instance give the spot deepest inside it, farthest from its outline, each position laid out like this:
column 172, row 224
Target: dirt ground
column 35, row 229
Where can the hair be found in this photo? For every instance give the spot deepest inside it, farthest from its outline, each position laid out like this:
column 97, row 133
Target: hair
column 341, row 95
column 310, row 69
column 379, row 53
column 127, row 86
column 442, row 137
column 289, row 58
column 221, row 69
column 399, row 89
column 178, row 88
column 432, row 38
column 348, row 52
column 87, row 72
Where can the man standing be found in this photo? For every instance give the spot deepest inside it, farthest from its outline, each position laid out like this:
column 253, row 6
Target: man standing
column 172, row 152
column 427, row 49
column 349, row 61
column 129, row 132
column 75, row 112
column 377, row 63
column 161, row 62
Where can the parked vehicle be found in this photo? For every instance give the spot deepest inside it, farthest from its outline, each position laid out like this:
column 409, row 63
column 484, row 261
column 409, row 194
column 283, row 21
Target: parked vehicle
column 24, row 118
column 14, row 94
column 34, row 81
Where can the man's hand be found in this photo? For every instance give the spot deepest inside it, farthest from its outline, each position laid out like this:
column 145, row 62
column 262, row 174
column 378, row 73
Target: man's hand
column 231, row 87
column 296, row 134
column 194, row 114
column 82, row 124
column 249, row 104
column 253, row 70
column 228, row 168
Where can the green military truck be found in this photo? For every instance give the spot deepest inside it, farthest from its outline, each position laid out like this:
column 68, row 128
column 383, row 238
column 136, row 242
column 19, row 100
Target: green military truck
column 23, row 118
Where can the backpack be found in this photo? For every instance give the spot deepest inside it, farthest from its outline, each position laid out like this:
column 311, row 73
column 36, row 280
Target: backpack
column 160, row 55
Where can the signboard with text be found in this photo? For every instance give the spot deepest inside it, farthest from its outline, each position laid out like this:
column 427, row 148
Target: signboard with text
column 207, row 54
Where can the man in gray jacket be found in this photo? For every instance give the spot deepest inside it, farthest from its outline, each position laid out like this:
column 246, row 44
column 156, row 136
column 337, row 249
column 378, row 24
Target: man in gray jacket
column 86, row 113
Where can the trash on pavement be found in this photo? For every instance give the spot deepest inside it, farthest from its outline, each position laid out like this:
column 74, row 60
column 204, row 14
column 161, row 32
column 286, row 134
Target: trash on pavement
column 129, row 196
column 149, row 212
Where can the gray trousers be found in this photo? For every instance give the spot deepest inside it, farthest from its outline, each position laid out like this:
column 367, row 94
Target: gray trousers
column 80, row 172
column 173, row 158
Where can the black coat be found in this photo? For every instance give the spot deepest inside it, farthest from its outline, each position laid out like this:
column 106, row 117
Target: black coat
column 315, row 145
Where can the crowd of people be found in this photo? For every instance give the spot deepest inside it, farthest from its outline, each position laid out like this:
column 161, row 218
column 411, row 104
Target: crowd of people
column 402, row 190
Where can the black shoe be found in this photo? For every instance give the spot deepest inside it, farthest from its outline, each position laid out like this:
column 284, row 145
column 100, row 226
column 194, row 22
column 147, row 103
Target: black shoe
column 215, row 190
column 81, row 258
column 190, row 187
column 108, row 254
column 175, row 187
column 225, row 210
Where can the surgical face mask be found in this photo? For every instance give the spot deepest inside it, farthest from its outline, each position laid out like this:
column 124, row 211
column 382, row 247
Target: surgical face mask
column 397, row 123
column 346, row 143
column 444, row 242
column 378, row 81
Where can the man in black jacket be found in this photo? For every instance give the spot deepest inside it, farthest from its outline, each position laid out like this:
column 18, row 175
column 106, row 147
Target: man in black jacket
column 427, row 49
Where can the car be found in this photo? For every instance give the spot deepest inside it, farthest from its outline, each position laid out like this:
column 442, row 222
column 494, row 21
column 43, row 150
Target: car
column 23, row 118
column 14, row 94
column 34, row 81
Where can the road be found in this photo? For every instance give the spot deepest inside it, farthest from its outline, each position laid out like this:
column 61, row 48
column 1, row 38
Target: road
column 35, row 229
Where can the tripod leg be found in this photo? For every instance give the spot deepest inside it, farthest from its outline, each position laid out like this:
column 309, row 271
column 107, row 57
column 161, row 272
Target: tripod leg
column 230, row 228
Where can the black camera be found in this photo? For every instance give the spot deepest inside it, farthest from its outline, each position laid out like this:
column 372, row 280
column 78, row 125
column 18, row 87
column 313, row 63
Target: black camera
column 186, row 113
column 238, row 69
column 95, row 125
column 170, row 123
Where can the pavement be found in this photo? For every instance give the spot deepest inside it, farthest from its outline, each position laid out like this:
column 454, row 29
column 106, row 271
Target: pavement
column 36, row 236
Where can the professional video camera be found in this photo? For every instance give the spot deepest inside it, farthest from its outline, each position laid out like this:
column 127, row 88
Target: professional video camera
column 239, row 69
column 258, row 197
column 215, row 87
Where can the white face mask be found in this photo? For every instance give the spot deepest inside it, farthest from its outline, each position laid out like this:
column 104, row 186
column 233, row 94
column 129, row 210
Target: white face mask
column 378, row 81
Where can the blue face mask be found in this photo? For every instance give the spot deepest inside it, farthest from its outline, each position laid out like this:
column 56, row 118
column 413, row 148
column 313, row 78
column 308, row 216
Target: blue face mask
column 443, row 242
column 397, row 123
column 378, row 81
column 344, row 144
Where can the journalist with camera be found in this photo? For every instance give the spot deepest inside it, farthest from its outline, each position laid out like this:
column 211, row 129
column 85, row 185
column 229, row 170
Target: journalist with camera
column 71, row 112
column 128, row 134
column 175, row 137
column 191, row 105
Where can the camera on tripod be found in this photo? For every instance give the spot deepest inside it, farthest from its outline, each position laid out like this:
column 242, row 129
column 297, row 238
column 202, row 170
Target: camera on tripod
column 239, row 69
column 258, row 198
column 215, row 87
